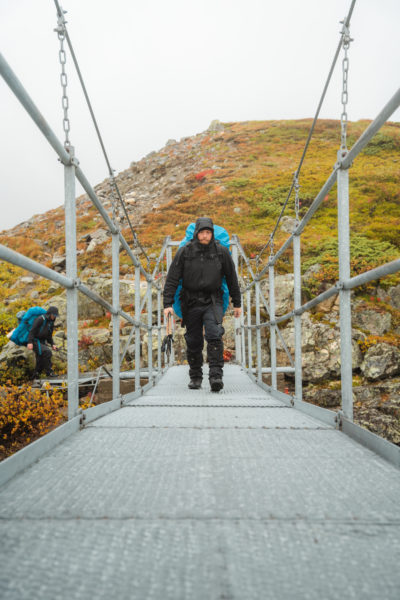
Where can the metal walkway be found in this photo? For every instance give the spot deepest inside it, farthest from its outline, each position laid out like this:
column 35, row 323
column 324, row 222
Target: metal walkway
column 188, row 494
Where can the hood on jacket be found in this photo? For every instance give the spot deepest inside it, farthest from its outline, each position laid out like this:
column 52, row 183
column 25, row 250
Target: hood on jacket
column 203, row 223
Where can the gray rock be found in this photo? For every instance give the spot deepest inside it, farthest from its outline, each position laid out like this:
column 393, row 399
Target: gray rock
column 381, row 361
column 58, row 263
column 13, row 355
column 61, row 303
column 311, row 272
column 96, row 238
column 215, row 125
column 288, row 224
column 284, row 285
column 99, row 335
column 394, row 294
column 321, row 349
column 54, row 287
column 373, row 321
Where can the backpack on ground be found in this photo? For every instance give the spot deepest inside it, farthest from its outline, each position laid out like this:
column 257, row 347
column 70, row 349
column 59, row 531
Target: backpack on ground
column 222, row 236
column 20, row 334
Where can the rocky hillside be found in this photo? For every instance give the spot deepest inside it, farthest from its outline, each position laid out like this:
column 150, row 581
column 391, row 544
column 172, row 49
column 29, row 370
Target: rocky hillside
column 240, row 173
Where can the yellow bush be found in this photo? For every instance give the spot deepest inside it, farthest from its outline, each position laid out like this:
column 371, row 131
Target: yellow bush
column 26, row 414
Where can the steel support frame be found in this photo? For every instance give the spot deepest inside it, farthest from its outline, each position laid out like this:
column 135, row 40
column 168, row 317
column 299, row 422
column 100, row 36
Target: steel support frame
column 272, row 340
column 72, row 293
column 345, row 295
column 115, row 317
column 258, row 334
column 297, row 317
column 249, row 334
column 150, row 329
column 137, row 329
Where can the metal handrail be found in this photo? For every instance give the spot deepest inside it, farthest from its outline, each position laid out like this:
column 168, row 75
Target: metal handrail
column 72, row 283
column 342, row 287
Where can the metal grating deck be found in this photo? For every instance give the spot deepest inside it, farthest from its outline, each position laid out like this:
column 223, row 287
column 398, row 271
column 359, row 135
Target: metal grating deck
column 188, row 494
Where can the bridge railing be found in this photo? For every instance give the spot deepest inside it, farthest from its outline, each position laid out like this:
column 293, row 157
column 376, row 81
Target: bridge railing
column 151, row 302
column 343, row 287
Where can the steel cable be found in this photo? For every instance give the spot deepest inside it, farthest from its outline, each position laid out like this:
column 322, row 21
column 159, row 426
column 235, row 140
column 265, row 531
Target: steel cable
column 346, row 23
column 60, row 13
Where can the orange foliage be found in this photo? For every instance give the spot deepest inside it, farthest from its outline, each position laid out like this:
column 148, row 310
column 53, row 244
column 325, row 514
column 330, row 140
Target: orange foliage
column 25, row 415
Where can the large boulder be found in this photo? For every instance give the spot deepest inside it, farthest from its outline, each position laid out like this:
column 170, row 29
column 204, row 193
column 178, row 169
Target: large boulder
column 99, row 335
column 381, row 361
column 17, row 356
column 320, row 348
column 96, row 238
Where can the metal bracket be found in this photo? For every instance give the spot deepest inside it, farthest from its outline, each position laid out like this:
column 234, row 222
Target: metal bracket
column 77, row 282
column 339, row 419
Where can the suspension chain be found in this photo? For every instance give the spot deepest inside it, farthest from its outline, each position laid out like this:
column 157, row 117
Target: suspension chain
column 345, row 96
column 60, row 30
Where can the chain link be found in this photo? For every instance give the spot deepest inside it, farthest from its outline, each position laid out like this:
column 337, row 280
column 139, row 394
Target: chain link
column 345, row 95
column 60, row 30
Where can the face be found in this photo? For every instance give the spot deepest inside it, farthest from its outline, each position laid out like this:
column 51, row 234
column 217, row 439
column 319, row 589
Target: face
column 204, row 236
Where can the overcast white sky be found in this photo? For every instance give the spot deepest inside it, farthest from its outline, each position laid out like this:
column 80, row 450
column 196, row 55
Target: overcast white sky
column 161, row 69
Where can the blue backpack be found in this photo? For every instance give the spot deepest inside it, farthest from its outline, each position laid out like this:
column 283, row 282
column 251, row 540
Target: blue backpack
column 26, row 319
column 222, row 236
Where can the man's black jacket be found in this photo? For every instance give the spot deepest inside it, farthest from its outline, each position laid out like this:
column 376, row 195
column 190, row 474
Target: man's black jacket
column 201, row 268
column 42, row 329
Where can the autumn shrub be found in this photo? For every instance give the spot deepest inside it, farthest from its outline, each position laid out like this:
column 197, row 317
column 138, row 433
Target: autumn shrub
column 26, row 414
column 85, row 342
column 8, row 322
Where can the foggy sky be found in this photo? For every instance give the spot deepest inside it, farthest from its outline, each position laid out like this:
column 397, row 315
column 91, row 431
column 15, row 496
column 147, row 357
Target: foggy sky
column 158, row 70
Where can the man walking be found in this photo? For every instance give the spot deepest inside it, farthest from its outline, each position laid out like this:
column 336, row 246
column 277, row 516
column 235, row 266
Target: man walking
column 201, row 265
column 41, row 332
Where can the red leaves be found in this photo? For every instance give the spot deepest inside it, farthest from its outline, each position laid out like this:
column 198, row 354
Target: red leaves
column 203, row 174
column 227, row 355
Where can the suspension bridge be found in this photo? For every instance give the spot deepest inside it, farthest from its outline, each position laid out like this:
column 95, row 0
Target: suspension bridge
column 164, row 493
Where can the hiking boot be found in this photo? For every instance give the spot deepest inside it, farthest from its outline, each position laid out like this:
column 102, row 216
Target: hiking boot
column 51, row 374
column 216, row 384
column 194, row 384
column 35, row 375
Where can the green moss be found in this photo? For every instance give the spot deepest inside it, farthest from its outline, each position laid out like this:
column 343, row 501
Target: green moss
column 382, row 143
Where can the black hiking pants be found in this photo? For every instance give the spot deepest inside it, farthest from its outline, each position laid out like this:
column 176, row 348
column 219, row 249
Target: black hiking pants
column 43, row 357
column 197, row 318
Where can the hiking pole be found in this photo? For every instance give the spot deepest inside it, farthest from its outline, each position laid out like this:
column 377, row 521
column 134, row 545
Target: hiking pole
column 168, row 339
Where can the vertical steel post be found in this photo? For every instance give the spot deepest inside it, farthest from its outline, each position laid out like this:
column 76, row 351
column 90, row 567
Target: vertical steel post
column 115, row 317
column 258, row 334
column 238, row 347
column 159, row 363
column 242, row 335
column 297, row 318
column 150, row 328
column 272, row 327
column 137, row 328
column 72, row 294
column 249, row 336
column 169, row 261
column 345, row 298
